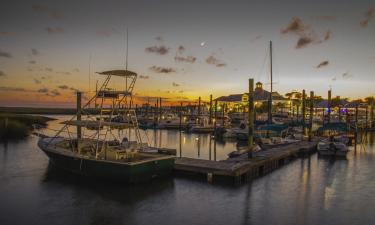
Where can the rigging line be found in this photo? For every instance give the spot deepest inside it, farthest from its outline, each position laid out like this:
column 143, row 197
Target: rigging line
column 127, row 46
column 258, row 76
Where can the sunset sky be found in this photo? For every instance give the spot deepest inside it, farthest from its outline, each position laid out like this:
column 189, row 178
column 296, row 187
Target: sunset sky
column 184, row 49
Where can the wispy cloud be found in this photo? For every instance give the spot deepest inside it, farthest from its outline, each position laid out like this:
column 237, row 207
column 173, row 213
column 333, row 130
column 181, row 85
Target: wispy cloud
column 37, row 81
column 34, row 52
column 63, row 87
column 12, row 89
column 48, row 69
column 180, row 49
column 161, row 50
column 187, row 59
column 43, row 90
column 6, row 34
column 367, row 17
column 328, row 35
column 212, row 60
column 158, row 38
column 175, row 84
column 143, row 77
column 50, row 12
column 32, row 62
column 323, row 64
column 2, row 73
column 347, row 75
column 64, row 73
column 54, row 30
column 306, row 35
column 5, row 54
column 158, row 69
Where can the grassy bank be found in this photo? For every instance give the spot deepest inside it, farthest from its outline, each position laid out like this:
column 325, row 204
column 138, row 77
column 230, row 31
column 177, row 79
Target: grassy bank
column 15, row 127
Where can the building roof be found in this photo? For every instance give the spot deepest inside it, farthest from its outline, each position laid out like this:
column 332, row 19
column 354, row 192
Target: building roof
column 259, row 95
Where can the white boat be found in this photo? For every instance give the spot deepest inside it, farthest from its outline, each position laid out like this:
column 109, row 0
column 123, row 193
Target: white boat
column 332, row 148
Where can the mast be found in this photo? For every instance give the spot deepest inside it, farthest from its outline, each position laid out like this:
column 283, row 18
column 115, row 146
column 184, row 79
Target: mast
column 270, row 96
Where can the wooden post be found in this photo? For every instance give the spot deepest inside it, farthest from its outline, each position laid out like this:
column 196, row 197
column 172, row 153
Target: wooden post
column 311, row 114
column 210, row 119
column 339, row 107
column 215, row 114
column 329, row 105
column 160, row 109
column 251, row 117
column 180, row 129
column 270, row 97
column 303, row 110
column 223, row 114
column 297, row 112
column 372, row 113
column 79, row 113
column 356, row 128
column 199, row 109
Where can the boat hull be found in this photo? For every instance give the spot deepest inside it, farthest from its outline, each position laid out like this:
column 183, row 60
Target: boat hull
column 130, row 173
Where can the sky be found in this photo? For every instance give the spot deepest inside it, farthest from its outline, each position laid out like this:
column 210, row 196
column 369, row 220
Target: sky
column 184, row 49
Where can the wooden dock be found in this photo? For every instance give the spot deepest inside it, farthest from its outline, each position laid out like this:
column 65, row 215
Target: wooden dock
column 242, row 169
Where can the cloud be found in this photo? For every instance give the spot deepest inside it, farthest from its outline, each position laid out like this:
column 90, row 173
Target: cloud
column 43, row 9
column 158, row 38
column 187, row 59
column 346, row 75
column 322, row 64
column 158, row 69
column 63, row 87
column 161, row 50
column 43, row 90
column 6, row 33
column 54, row 93
column 12, row 89
column 175, row 84
column 34, row 52
column 143, row 77
column 306, row 35
column 328, row 35
column 76, row 70
column 181, row 49
column 54, row 30
column 36, row 81
column 32, row 62
column 64, row 73
column 212, row 60
column 368, row 17
column 303, row 42
column 2, row 74
column 295, row 26
column 73, row 89
column 5, row 54
column 48, row 69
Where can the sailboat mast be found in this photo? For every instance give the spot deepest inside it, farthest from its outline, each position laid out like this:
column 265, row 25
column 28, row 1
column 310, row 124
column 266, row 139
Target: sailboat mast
column 270, row 96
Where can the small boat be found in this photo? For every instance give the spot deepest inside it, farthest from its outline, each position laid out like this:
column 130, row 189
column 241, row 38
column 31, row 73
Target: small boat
column 327, row 147
column 241, row 150
column 202, row 127
column 273, row 142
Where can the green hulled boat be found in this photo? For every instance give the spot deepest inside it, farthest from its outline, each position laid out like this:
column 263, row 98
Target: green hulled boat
column 110, row 145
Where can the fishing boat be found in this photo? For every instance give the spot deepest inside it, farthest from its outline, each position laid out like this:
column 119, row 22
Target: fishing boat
column 112, row 147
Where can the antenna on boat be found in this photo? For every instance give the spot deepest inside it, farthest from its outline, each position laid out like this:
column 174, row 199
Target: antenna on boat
column 127, row 45
column 89, row 78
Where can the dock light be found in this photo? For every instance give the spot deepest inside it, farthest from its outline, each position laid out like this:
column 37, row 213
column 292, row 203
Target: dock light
column 163, row 117
column 214, row 120
column 185, row 118
column 197, row 138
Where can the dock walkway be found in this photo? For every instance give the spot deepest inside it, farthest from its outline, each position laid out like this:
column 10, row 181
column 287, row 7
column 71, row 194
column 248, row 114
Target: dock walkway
column 241, row 168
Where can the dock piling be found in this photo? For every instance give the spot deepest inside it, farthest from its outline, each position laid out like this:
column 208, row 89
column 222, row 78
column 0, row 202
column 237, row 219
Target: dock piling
column 251, row 117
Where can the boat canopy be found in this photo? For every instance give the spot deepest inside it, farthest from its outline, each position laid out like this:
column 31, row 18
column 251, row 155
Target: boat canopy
column 337, row 126
column 120, row 73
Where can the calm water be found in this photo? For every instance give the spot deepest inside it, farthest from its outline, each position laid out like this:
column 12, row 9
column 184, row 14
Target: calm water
column 306, row 191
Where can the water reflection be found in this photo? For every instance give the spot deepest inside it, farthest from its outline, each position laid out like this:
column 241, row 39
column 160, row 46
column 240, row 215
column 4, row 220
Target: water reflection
column 310, row 190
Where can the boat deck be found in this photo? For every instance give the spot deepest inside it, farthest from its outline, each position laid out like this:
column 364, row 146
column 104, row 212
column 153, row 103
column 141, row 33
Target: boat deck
column 243, row 168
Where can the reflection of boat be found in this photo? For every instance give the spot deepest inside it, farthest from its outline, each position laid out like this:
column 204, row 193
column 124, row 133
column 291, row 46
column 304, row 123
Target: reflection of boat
column 328, row 147
column 99, row 152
